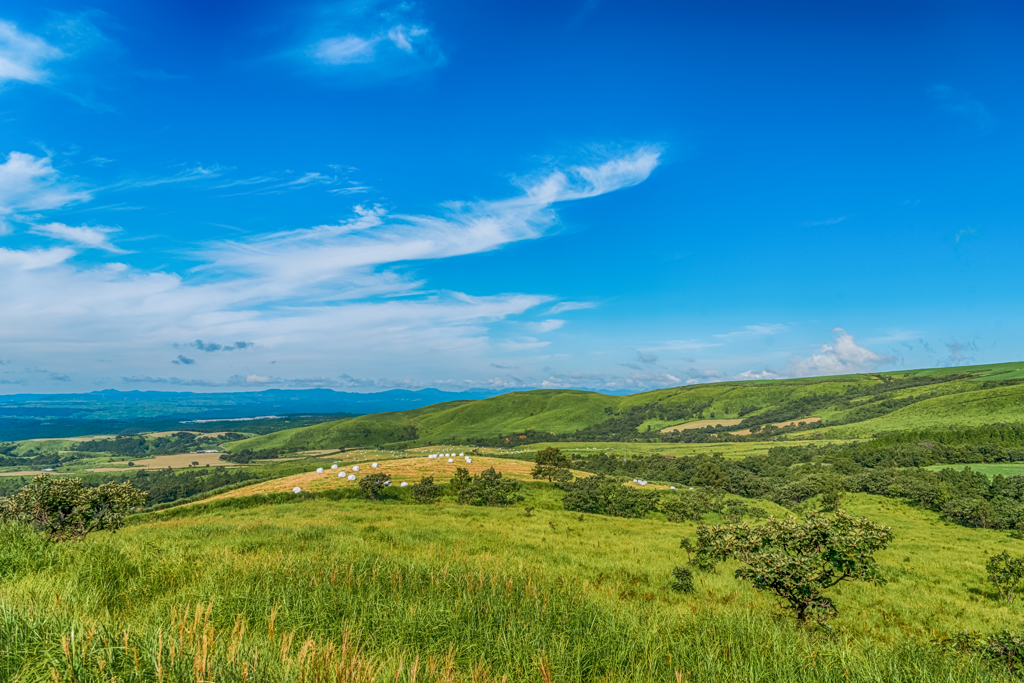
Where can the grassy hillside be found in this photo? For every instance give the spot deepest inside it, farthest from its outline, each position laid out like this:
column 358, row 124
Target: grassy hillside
column 347, row 590
column 851, row 406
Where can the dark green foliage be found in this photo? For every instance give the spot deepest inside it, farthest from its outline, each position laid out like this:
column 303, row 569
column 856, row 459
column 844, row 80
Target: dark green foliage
column 682, row 580
column 374, row 483
column 461, row 479
column 1006, row 573
column 65, row 509
column 584, row 495
column 605, row 496
column 426, row 492
column 247, row 455
column 799, row 561
column 491, row 489
column 550, row 463
column 832, row 495
column 690, row 505
column 684, row 507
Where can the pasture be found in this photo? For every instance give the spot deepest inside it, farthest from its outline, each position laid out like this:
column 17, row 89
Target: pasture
column 1007, row 469
column 301, row 588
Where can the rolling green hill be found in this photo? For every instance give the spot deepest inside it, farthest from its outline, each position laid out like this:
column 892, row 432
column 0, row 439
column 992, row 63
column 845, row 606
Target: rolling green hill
column 851, row 406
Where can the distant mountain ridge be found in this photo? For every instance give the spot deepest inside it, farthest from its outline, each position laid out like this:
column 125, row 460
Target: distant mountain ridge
column 26, row 416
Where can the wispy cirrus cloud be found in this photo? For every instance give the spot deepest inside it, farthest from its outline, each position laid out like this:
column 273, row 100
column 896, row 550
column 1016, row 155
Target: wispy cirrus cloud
column 342, row 287
column 374, row 39
column 83, row 236
column 827, row 221
column 30, row 183
column 564, row 306
column 753, row 331
column 960, row 104
column 23, row 56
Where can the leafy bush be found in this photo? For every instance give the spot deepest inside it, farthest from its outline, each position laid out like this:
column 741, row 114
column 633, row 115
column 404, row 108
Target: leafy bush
column 65, row 509
column 602, row 495
column 1006, row 573
column 682, row 580
column 373, row 484
column 551, row 463
column 426, row 491
column 684, row 507
column 799, row 561
column 491, row 489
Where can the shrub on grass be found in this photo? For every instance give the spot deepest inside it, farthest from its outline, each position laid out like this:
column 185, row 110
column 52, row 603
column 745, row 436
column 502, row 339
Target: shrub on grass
column 491, row 489
column 66, row 510
column 682, row 580
column 373, row 484
column 799, row 561
column 601, row 495
column 1006, row 573
column 426, row 491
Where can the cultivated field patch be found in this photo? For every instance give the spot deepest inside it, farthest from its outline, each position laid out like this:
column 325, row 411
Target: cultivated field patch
column 406, row 469
column 161, row 462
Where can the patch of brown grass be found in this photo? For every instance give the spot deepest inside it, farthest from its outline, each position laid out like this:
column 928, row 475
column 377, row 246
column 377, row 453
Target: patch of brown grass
column 405, row 469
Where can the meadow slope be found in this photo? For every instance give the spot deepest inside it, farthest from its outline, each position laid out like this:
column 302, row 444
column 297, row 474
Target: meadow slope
column 854, row 405
column 295, row 588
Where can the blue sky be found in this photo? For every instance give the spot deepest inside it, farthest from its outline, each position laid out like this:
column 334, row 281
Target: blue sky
column 593, row 194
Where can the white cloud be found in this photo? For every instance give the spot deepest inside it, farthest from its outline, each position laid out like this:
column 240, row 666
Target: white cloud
column 843, row 356
column 344, row 50
column 365, row 39
column 23, row 56
column 400, row 36
column 306, row 297
column 91, row 238
column 767, row 373
column 33, row 259
column 197, row 172
column 753, row 331
column 29, row 183
column 522, row 344
column 342, row 258
column 543, row 326
column 564, row 306
column 827, row 221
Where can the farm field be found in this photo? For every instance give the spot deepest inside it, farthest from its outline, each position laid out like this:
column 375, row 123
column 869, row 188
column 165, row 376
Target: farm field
column 160, row 462
column 469, row 594
column 406, row 469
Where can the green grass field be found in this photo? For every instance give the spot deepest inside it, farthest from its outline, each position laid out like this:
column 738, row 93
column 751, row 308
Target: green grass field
column 318, row 590
column 1007, row 469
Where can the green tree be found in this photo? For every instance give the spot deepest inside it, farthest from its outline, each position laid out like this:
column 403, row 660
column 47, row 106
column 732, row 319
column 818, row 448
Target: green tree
column 373, row 484
column 550, row 464
column 1006, row 573
column 426, row 491
column 461, row 479
column 491, row 489
column 65, row 509
column 799, row 561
